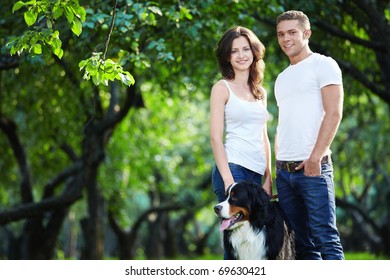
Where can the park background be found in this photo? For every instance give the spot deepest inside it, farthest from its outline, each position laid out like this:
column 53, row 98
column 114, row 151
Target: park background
column 94, row 166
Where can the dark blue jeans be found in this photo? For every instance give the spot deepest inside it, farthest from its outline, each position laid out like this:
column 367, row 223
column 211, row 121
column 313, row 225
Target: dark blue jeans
column 310, row 208
column 239, row 174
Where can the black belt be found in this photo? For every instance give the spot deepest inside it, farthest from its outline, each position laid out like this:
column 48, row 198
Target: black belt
column 291, row 165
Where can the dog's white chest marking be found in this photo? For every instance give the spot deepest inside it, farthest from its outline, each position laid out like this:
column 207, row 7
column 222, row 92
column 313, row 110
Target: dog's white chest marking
column 247, row 244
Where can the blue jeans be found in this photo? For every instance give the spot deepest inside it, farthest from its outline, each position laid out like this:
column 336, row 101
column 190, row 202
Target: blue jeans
column 310, row 209
column 239, row 174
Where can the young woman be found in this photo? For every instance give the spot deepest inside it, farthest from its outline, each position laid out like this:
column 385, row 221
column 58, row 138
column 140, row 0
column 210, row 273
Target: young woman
column 238, row 114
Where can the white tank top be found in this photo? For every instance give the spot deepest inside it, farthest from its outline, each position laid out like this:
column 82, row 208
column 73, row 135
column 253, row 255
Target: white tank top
column 244, row 123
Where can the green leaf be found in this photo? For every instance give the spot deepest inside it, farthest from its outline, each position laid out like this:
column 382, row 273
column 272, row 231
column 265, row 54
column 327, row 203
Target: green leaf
column 13, row 50
column 56, row 45
column 17, row 6
column 60, row 53
column 83, row 63
column 57, row 11
column 77, row 26
column 155, row 10
column 95, row 80
column 30, row 17
column 81, row 13
column 127, row 78
column 91, row 69
column 109, row 68
column 184, row 12
column 69, row 14
column 56, row 34
column 49, row 24
column 37, row 49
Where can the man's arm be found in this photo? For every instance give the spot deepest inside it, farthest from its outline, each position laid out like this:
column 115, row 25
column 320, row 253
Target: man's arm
column 332, row 100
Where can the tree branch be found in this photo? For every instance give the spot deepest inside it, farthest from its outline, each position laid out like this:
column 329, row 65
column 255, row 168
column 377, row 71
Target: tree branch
column 376, row 17
column 60, row 178
column 110, row 32
column 9, row 127
column 29, row 210
column 362, row 78
column 114, row 117
column 346, row 205
column 331, row 29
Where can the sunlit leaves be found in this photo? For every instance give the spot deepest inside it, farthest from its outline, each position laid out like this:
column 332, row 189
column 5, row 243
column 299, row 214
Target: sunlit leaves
column 37, row 49
column 33, row 40
column 53, row 10
column 185, row 13
column 76, row 26
column 17, row 6
column 30, row 17
column 101, row 71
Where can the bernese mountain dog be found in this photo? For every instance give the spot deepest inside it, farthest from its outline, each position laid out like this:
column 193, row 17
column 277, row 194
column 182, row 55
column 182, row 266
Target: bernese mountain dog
column 254, row 225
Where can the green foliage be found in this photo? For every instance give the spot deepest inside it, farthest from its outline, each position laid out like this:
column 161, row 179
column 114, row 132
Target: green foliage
column 167, row 149
column 103, row 71
column 52, row 10
column 100, row 69
column 160, row 153
column 32, row 40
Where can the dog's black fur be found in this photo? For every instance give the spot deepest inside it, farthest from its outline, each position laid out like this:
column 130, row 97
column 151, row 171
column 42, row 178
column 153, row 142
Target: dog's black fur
column 248, row 204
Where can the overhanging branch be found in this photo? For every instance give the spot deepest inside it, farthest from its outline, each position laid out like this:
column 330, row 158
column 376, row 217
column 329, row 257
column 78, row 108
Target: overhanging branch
column 331, row 29
column 362, row 78
column 29, row 210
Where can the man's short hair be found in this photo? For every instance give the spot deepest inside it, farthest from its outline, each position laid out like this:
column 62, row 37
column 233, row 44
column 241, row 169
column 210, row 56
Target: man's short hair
column 295, row 15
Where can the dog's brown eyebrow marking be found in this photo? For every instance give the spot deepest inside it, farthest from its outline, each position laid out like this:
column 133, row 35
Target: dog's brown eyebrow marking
column 233, row 195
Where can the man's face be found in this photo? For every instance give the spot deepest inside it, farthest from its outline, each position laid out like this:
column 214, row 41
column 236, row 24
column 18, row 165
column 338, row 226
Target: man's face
column 292, row 38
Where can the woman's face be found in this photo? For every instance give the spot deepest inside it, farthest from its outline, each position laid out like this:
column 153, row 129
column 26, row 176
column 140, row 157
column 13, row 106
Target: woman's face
column 241, row 56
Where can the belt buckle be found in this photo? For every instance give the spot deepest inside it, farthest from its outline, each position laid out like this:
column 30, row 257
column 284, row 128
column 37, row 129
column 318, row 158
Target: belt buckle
column 291, row 166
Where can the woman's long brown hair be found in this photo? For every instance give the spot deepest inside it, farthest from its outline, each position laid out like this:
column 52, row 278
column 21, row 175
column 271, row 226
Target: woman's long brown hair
column 256, row 73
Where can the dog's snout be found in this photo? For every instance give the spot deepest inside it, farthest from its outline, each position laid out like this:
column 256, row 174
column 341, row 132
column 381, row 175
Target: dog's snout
column 217, row 208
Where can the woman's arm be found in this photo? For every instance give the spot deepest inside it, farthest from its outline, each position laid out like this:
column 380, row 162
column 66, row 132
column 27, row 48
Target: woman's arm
column 218, row 99
column 267, row 181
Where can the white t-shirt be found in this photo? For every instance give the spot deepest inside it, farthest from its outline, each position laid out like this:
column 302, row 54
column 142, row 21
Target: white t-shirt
column 298, row 96
column 244, row 123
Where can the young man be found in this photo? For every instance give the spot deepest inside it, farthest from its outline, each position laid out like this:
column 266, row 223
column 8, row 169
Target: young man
column 309, row 94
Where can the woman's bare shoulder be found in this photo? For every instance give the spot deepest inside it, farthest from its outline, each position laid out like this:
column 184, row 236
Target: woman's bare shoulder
column 219, row 86
column 220, row 91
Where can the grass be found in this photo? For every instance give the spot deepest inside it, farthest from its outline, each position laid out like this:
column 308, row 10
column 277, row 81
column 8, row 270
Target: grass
column 348, row 256
column 363, row 256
